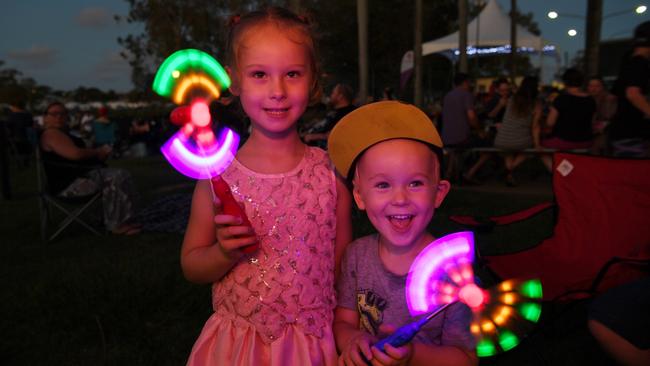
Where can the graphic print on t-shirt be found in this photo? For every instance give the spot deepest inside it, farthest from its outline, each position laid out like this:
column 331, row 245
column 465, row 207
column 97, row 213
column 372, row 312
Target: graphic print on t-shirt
column 371, row 310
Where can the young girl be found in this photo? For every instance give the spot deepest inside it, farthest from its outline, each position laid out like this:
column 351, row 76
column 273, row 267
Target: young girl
column 274, row 306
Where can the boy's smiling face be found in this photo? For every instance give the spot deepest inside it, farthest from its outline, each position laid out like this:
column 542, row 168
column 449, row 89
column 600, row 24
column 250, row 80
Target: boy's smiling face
column 397, row 183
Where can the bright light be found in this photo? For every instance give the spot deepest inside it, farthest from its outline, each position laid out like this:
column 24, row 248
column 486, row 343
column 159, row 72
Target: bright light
column 572, row 32
column 641, row 9
column 552, row 14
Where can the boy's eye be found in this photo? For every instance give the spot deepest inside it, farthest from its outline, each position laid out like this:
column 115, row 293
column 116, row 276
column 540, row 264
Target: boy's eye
column 258, row 74
column 416, row 183
column 381, row 185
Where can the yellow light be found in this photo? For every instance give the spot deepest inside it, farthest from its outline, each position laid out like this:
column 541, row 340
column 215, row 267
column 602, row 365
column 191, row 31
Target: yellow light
column 487, row 326
column 572, row 32
column 191, row 80
column 506, row 286
column 641, row 9
column 508, row 298
column 552, row 14
column 474, row 328
column 176, row 74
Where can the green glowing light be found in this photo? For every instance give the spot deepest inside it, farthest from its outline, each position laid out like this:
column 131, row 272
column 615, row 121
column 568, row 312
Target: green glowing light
column 530, row 311
column 532, row 289
column 508, row 340
column 485, row 348
column 180, row 62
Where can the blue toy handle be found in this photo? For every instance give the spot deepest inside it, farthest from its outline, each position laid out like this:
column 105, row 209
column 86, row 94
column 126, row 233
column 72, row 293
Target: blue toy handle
column 401, row 336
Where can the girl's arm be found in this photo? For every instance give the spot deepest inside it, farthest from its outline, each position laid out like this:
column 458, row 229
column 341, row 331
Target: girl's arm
column 211, row 244
column 536, row 128
column 343, row 221
column 552, row 117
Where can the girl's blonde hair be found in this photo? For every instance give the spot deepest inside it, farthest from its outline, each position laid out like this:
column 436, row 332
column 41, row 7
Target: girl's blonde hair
column 240, row 24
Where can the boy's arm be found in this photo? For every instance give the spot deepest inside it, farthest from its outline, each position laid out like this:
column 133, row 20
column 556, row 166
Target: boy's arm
column 350, row 340
column 343, row 221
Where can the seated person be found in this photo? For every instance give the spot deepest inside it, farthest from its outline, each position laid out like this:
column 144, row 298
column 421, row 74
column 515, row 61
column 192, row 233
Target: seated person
column 390, row 151
column 619, row 320
column 73, row 170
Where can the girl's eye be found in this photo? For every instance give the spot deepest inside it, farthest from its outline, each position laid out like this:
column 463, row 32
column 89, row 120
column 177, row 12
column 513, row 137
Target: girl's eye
column 293, row 74
column 257, row 74
column 416, row 183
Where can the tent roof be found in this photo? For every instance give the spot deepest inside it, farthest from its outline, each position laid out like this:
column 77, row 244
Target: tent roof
column 493, row 26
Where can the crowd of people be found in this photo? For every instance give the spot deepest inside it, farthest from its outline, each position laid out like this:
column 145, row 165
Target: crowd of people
column 289, row 284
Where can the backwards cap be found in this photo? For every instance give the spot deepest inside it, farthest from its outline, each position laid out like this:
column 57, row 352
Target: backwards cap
column 374, row 123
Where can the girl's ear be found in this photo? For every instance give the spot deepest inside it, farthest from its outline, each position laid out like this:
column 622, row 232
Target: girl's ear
column 234, row 81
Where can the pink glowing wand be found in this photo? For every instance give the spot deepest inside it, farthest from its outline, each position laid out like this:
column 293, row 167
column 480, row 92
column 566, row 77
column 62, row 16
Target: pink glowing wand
column 442, row 275
column 193, row 150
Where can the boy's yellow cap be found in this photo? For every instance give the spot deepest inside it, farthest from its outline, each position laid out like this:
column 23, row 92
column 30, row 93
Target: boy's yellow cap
column 377, row 122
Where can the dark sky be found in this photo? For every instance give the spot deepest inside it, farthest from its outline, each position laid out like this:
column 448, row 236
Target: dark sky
column 69, row 43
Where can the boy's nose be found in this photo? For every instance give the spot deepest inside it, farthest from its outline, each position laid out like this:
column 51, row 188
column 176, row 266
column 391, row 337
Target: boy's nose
column 400, row 196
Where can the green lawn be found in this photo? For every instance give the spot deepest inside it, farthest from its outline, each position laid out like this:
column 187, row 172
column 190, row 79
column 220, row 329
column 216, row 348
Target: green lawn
column 115, row 300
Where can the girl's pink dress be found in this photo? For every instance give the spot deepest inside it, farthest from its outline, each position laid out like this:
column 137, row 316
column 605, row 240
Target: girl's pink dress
column 275, row 307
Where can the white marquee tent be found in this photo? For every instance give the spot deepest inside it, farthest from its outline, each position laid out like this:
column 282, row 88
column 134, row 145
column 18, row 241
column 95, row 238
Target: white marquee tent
column 493, row 25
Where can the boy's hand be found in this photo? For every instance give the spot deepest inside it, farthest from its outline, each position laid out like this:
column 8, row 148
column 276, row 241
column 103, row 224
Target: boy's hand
column 391, row 355
column 358, row 348
column 231, row 234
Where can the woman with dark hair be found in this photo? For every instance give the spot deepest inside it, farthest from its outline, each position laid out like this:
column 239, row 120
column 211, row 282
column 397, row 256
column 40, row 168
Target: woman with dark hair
column 571, row 117
column 73, row 170
column 521, row 118
column 519, row 123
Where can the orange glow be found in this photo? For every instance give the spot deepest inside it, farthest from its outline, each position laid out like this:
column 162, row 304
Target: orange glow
column 506, row 286
column 192, row 80
column 487, row 326
column 508, row 299
column 474, row 328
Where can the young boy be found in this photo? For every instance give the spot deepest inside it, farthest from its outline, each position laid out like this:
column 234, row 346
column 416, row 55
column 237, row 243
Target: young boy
column 390, row 152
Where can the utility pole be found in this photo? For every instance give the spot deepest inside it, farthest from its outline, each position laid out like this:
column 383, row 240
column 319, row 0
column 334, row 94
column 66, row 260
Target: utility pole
column 592, row 39
column 417, row 55
column 362, row 26
column 462, row 35
column 513, row 40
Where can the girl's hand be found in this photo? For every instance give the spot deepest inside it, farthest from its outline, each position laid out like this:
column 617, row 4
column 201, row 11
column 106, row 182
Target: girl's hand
column 392, row 355
column 358, row 348
column 231, row 234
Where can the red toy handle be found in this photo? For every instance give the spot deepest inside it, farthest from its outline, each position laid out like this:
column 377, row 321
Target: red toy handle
column 231, row 207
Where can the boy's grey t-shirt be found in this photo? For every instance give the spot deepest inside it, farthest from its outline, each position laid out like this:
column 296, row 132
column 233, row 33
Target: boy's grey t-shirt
column 378, row 296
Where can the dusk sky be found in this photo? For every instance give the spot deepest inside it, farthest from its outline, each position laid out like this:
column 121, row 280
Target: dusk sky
column 65, row 44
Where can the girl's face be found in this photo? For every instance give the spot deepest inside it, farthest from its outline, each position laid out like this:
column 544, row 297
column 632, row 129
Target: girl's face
column 273, row 78
column 398, row 186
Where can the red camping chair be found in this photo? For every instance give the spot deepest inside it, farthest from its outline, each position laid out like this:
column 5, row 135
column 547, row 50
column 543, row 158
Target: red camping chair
column 602, row 234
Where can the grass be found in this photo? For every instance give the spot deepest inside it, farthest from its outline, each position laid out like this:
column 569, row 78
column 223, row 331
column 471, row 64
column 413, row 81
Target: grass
column 115, row 300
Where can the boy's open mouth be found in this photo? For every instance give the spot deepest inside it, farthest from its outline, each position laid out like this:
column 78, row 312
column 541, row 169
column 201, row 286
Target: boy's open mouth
column 400, row 222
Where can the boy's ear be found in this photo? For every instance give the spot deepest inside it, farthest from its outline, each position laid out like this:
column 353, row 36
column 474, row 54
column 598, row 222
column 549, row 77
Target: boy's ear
column 234, row 81
column 357, row 196
column 441, row 192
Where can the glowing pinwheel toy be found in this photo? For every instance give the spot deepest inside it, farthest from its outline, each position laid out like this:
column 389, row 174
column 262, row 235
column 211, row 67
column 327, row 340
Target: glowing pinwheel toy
column 442, row 274
column 194, row 77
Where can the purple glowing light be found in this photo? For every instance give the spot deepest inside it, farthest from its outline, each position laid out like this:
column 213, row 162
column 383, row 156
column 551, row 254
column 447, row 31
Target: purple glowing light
column 201, row 163
column 431, row 266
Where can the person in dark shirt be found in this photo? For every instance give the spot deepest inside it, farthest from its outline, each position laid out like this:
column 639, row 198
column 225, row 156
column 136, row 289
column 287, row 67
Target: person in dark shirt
column 341, row 100
column 571, row 117
column 629, row 132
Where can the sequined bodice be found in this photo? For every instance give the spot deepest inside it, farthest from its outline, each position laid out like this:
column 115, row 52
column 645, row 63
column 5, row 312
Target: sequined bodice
column 290, row 279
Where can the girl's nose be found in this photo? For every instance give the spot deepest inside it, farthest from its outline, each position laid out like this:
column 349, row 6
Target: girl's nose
column 278, row 89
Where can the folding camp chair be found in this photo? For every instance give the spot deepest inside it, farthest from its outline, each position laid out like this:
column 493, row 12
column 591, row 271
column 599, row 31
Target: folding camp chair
column 602, row 233
column 72, row 208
